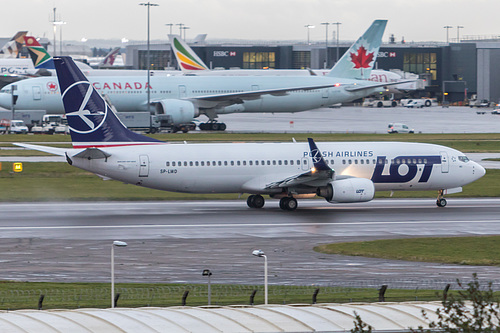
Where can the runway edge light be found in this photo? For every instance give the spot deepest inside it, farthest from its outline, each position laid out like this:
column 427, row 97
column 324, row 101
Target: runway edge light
column 17, row 167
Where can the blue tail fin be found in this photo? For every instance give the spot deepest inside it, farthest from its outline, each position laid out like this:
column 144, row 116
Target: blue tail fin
column 358, row 61
column 91, row 121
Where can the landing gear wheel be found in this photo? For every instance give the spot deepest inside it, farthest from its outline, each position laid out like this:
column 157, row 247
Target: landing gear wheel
column 255, row 201
column 222, row 126
column 214, row 126
column 441, row 202
column 288, row 203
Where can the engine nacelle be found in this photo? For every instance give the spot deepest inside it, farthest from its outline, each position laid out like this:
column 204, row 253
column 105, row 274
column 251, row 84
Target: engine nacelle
column 180, row 112
column 348, row 190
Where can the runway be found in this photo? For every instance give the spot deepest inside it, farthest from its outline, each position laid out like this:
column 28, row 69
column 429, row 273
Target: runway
column 175, row 241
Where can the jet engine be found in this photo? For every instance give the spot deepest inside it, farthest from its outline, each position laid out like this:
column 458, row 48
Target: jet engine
column 180, row 112
column 348, row 190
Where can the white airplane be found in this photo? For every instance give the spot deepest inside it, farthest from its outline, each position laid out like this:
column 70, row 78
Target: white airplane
column 338, row 171
column 191, row 64
column 183, row 98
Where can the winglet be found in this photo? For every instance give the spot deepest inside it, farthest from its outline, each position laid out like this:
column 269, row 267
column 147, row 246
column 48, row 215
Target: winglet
column 358, row 61
column 317, row 158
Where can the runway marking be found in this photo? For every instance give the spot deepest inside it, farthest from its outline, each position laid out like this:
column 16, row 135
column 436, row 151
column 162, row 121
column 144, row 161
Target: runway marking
column 301, row 224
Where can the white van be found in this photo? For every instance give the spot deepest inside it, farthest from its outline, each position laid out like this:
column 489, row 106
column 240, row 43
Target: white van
column 399, row 128
column 18, row 127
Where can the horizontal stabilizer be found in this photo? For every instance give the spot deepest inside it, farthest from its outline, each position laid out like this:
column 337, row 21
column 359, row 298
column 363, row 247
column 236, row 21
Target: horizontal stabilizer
column 46, row 149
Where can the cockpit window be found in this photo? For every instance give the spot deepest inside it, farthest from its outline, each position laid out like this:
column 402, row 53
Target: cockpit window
column 464, row 159
column 5, row 91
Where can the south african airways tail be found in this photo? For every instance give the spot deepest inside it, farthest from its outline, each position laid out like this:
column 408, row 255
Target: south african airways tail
column 39, row 55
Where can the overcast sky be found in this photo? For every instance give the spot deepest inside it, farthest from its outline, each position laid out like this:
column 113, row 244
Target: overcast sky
column 416, row 20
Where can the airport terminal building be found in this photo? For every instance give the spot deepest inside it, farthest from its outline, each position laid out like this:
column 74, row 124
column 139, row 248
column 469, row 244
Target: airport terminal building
column 459, row 69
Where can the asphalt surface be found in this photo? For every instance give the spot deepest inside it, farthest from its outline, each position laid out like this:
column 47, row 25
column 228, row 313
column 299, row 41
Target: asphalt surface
column 175, row 241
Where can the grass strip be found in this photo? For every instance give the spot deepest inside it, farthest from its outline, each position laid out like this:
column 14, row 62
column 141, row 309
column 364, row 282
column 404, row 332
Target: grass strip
column 477, row 251
column 25, row 295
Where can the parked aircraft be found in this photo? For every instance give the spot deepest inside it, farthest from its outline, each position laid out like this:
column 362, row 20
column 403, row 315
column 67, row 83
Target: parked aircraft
column 338, row 171
column 182, row 98
column 11, row 48
column 191, row 64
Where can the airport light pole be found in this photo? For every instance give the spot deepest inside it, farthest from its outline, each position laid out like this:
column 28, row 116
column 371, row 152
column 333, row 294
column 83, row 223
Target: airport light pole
column 309, row 27
column 260, row 253
column 338, row 37
column 121, row 244
column 207, row 272
column 170, row 25
column 458, row 33
column 326, row 24
column 149, row 5
column 447, row 27
column 180, row 28
column 184, row 28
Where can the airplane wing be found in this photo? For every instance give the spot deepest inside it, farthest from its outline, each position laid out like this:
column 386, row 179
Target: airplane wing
column 45, row 149
column 356, row 87
column 319, row 175
column 210, row 101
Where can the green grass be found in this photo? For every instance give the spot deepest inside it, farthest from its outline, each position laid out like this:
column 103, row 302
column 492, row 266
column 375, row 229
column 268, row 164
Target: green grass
column 25, row 295
column 452, row 250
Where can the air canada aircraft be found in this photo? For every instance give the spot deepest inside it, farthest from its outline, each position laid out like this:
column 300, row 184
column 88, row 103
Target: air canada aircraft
column 342, row 172
column 183, row 98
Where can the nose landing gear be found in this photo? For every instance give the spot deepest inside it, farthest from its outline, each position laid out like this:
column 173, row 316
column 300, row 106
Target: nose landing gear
column 441, row 201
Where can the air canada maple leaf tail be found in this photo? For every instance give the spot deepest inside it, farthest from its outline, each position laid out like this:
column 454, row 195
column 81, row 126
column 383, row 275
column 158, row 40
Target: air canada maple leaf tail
column 358, row 61
column 91, row 121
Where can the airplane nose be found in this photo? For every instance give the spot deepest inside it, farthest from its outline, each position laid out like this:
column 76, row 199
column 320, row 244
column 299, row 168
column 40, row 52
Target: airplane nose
column 478, row 170
column 5, row 100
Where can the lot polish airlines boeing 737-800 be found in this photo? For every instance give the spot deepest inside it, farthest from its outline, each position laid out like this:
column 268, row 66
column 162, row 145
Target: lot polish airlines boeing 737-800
column 338, row 171
column 183, row 98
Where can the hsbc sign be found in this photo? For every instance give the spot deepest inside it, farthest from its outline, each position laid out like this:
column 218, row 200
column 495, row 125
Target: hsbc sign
column 387, row 54
column 224, row 53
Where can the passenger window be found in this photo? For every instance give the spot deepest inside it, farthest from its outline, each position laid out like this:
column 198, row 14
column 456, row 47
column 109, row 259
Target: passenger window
column 167, row 163
column 274, row 162
column 173, row 164
column 291, row 162
column 298, row 162
column 268, row 162
column 355, row 161
column 398, row 161
column 362, row 161
column 208, row 163
column 185, row 163
column 256, row 162
column 238, row 163
column 350, row 161
column 374, row 161
column 202, row 163
column 232, row 162
column 225, row 163
column 250, row 162
column 279, row 162
column 343, row 161
column 285, row 162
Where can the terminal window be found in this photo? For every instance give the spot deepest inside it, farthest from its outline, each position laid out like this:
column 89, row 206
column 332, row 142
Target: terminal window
column 259, row 60
column 301, row 59
column 159, row 59
column 419, row 63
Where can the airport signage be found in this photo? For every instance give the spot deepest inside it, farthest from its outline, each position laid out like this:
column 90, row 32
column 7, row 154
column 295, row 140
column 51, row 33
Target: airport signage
column 224, row 53
column 383, row 54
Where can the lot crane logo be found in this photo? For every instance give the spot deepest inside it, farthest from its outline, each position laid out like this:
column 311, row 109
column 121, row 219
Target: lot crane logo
column 316, row 155
column 82, row 107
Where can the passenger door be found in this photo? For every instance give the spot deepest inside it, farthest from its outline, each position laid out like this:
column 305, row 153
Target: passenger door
column 143, row 165
column 445, row 167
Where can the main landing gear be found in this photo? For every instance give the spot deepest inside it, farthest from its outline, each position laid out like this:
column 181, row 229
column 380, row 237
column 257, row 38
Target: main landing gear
column 256, row 201
column 212, row 126
column 441, row 201
column 288, row 203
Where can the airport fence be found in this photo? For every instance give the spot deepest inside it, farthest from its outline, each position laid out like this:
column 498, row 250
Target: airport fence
column 197, row 295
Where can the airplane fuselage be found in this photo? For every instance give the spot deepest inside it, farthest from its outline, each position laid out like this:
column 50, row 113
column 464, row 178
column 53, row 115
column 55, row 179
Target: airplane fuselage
column 130, row 93
column 249, row 167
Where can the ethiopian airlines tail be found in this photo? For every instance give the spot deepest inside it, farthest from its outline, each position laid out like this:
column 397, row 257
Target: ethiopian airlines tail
column 358, row 61
column 91, row 121
column 41, row 58
column 186, row 58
